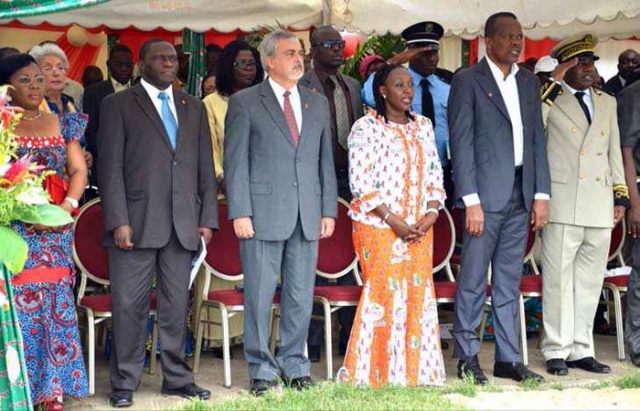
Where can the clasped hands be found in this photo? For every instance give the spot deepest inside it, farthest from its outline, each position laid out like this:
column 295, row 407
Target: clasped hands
column 411, row 233
column 243, row 227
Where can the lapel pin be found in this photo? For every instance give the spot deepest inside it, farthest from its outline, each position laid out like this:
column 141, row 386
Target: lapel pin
column 306, row 106
column 490, row 95
column 183, row 102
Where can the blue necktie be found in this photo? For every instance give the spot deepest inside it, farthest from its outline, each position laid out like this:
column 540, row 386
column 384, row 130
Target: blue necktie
column 168, row 120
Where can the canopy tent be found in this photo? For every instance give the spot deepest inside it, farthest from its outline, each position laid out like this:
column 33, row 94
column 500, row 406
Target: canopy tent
column 540, row 18
column 197, row 15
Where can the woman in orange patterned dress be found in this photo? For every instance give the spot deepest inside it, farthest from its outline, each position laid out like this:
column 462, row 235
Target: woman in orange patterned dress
column 396, row 182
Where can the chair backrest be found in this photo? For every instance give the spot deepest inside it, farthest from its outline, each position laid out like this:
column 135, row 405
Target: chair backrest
column 532, row 237
column 457, row 214
column 444, row 240
column 336, row 255
column 618, row 237
column 88, row 252
column 223, row 251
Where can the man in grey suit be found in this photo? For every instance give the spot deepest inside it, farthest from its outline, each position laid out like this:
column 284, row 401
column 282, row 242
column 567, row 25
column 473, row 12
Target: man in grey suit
column 343, row 95
column 501, row 178
column 159, row 199
column 281, row 189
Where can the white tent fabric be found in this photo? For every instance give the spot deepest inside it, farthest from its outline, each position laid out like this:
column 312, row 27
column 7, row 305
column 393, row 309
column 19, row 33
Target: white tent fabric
column 540, row 18
column 197, row 15
column 619, row 19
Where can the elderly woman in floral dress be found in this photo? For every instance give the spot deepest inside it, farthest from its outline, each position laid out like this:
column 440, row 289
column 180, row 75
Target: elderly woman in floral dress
column 396, row 182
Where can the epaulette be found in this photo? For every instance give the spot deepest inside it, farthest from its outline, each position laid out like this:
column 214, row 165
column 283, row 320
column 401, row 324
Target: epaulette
column 600, row 91
column 549, row 91
column 444, row 75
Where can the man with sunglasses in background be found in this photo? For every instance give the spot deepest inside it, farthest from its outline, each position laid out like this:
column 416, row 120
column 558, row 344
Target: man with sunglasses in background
column 345, row 106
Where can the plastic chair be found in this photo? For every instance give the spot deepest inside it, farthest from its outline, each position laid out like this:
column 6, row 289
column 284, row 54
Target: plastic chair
column 222, row 261
column 336, row 258
column 91, row 257
column 617, row 285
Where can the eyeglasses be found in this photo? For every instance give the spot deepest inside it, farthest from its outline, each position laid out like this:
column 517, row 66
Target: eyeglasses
column 25, row 80
column 330, row 44
column 245, row 64
column 51, row 69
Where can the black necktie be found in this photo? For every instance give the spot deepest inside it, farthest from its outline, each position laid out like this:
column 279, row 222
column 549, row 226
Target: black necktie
column 427, row 101
column 579, row 95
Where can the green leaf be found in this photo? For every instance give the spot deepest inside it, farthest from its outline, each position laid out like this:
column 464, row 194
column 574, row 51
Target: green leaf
column 13, row 250
column 48, row 215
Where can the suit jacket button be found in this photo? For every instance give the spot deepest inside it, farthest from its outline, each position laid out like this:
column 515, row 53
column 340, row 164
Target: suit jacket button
column 573, row 129
column 582, row 152
column 175, row 163
column 581, row 176
column 295, row 184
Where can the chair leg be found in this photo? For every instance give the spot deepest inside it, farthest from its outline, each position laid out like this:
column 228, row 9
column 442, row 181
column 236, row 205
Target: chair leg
column 524, row 350
column 199, row 335
column 328, row 338
column 154, row 346
column 226, row 352
column 619, row 324
column 541, row 338
column 91, row 351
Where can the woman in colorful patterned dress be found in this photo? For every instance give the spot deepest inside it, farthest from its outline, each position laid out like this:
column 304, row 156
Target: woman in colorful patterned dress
column 43, row 292
column 396, row 182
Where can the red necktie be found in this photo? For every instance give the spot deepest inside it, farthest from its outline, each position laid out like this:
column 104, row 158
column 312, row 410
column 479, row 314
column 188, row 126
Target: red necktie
column 291, row 118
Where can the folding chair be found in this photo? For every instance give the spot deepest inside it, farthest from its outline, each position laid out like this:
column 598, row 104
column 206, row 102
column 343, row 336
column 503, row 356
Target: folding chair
column 91, row 258
column 617, row 285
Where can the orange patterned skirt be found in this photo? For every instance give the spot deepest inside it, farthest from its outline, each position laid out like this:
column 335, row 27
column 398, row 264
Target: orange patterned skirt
column 395, row 338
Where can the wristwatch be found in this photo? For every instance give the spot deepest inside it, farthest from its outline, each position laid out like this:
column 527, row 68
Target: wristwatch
column 74, row 203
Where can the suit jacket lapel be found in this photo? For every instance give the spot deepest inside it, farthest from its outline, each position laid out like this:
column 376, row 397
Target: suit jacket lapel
column 181, row 111
column 306, row 114
column 490, row 87
column 522, row 82
column 273, row 107
column 598, row 113
column 569, row 105
column 145, row 103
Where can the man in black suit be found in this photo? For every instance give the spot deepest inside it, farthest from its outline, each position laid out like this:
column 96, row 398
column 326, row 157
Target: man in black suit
column 502, row 180
column 345, row 105
column 120, row 65
column 627, row 62
column 159, row 200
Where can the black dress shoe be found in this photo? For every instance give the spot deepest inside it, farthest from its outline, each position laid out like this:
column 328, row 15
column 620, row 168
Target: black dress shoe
column 313, row 353
column 590, row 364
column 121, row 399
column 188, row 391
column 515, row 371
column 635, row 359
column 300, row 383
column 471, row 368
column 557, row 366
column 260, row 387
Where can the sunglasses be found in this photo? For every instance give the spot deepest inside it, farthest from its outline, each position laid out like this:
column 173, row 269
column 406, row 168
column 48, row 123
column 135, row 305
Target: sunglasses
column 330, row 44
column 245, row 64
column 25, row 80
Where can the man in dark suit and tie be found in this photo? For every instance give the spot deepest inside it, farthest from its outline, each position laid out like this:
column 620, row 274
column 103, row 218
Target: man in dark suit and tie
column 159, row 200
column 345, row 105
column 502, row 180
column 120, row 65
column 282, row 194
column 627, row 63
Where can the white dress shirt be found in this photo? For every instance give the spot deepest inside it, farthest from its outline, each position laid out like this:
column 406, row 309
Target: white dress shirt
column 588, row 100
column 509, row 91
column 117, row 86
column 153, row 93
column 294, row 98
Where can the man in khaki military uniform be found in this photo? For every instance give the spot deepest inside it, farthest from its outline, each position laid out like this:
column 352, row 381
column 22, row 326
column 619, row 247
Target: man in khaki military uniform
column 588, row 197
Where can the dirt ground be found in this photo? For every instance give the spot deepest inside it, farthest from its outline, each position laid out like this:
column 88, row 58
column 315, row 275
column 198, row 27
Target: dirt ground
column 577, row 388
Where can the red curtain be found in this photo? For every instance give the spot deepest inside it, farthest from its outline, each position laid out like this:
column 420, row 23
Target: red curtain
column 79, row 57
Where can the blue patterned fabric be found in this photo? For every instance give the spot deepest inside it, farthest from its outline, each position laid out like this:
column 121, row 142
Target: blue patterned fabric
column 46, row 311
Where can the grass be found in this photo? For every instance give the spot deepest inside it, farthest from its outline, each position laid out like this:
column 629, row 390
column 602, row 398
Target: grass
column 598, row 385
column 530, row 384
column 464, row 387
column 557, row 386
column 629, row 381
column 330, row 396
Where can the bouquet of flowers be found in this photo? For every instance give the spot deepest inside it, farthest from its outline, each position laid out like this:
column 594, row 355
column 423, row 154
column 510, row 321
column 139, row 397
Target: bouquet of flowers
column 22, row 195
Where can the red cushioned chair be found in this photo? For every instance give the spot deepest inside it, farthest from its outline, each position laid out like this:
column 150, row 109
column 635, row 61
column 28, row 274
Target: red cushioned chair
column 617, row 285
column 457, row 215
column 222, row 261
column 336, row 258
column 91, row 257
